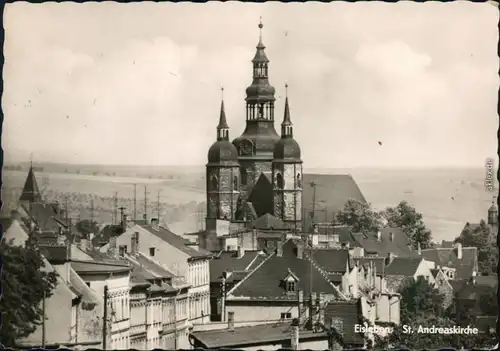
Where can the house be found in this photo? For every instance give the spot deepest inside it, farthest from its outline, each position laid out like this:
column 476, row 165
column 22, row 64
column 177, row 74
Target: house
column 400, row 269
column 338, row 268
column 456, row 262
column 329, row 235
column 174, row 253
column 164, row 299
column 227, row 268
column 276, row 288
column 111, row 281
column 71, row 308
column 443, row 285
column 344, row 316
column 381, row 243
column 276, row 336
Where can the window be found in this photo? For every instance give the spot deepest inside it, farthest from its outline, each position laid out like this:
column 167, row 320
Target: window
column 286, row 315
column 279, row 181
column 235, row 183
column 152, row 251
column 215, row 183
column 122, row 250
column 299, row 181
column 290, row 286
column 243, row 172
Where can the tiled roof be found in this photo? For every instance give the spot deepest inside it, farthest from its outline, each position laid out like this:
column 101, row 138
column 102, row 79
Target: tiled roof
column 403, row 266
column 252, row 335
column 399, row 245
column 447, row 257
column 268, row 221
column 82, row 267
column 142, row 263
column 488, row 280
column 30, row 192
column 229, row 261
column 78, row 286
column 447, row 244
column 261, row 196
column 175, row 240
column 457, row 284
column 108, row 232
column 56, row 253
column 330, row 260
column 474, row 291
column 332, row 191
column 46, row 216
column 266, row 281
column 351, row 315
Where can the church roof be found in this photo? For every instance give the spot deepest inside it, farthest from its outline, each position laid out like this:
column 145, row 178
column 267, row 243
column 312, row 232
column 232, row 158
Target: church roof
column 30, row 191
column 267, row 221
column 332, row 192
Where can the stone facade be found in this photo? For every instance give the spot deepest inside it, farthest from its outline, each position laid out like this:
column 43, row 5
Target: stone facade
column 288, row 192
column 222, row 191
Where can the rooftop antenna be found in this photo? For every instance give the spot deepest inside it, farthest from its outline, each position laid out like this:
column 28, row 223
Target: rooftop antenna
column 313, row 185
column 158, row 205
column 91, row 210
column 145, row 203
column 115, row 208
column 135, row 202
column 122, row 209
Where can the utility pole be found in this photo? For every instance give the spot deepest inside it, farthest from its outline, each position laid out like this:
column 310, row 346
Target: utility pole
column 66, row 209
column 158, row 206
column 105, row 319
column 43, row 320
column 135, row 202
column 91, row 211
column 313, row 185
column 122, row 218
column 115, row 207
column 145, row 203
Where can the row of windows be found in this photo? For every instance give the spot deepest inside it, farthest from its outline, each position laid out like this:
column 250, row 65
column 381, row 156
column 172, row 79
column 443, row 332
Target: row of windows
column 199, row 274
column 199, row 306
column 280, row 181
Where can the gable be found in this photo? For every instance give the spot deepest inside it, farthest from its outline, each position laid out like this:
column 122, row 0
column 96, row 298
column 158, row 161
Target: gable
column 266, row 222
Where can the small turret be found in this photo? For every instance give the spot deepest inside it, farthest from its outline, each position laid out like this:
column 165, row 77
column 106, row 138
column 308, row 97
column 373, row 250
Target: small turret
column 493, row 213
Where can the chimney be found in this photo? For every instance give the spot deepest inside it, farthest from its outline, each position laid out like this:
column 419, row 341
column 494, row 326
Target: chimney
column 112, row 250
column 458, row 247
column 301, row 305
column 134, row 244
column 241, row 252
column 154, row 223
column 230, row 321
column 84, row 244
column 419, row 249
column 300, row 251
column 294, row 337
column 391, row 236
column 254, row 240
column 279, row 248
column 379, row 236
column 390, row 257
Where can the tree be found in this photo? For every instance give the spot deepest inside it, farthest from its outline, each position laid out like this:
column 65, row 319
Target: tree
column 405, row 216
column 86, row 226
column 359, row 216
column 480, row 237
column 23, row 287
column 419, row 299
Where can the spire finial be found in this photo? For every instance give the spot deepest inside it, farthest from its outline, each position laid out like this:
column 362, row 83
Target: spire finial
column 260, row 27
column 222, row 92
column 286, row 90
column 31, row 159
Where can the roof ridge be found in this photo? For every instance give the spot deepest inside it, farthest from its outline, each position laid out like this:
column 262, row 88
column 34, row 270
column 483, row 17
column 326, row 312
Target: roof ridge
column 325, row 276
column 230, row 292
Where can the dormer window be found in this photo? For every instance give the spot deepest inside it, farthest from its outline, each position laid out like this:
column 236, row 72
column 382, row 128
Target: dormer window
column 290, row 283
column 290, row 286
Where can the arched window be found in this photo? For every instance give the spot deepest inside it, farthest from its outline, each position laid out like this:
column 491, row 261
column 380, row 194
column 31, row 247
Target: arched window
column 243, row 176
column 235, row 183
column 279, row 181
column 299, row 181
column 261, row 110
column 215, row 183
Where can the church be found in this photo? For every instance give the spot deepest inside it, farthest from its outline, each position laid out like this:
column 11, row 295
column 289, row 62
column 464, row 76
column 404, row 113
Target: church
column 259, row 174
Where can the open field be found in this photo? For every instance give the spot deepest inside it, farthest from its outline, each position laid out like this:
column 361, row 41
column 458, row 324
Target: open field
column 447, row 198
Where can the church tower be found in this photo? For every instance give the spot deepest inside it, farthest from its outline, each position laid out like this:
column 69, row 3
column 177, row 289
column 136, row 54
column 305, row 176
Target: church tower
column 31, row 192
column 493, row 214
column 222, row 176
column 287, row 175
column 255, row 146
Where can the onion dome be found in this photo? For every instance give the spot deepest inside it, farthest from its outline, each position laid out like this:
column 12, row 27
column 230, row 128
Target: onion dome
column 287, row 147
column 222, row 151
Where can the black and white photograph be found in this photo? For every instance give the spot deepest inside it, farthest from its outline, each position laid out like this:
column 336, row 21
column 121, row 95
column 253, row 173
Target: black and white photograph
column 251, row 176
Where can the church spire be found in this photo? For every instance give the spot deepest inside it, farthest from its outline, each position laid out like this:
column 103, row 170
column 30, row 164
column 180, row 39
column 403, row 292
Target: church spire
column 31, row 192
column 286, row 125
column 223, row 127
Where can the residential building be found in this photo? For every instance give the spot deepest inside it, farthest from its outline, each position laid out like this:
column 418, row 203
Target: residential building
column 227, row 268
column 399, row 269
column 344, row 316
column 381, row 243
column 276, row 288
column 175, row 254
column 456, row 262
column 111, row 281
column 444, row 287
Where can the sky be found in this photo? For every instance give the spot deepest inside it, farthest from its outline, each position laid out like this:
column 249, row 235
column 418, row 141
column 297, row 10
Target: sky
column 139, row 83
